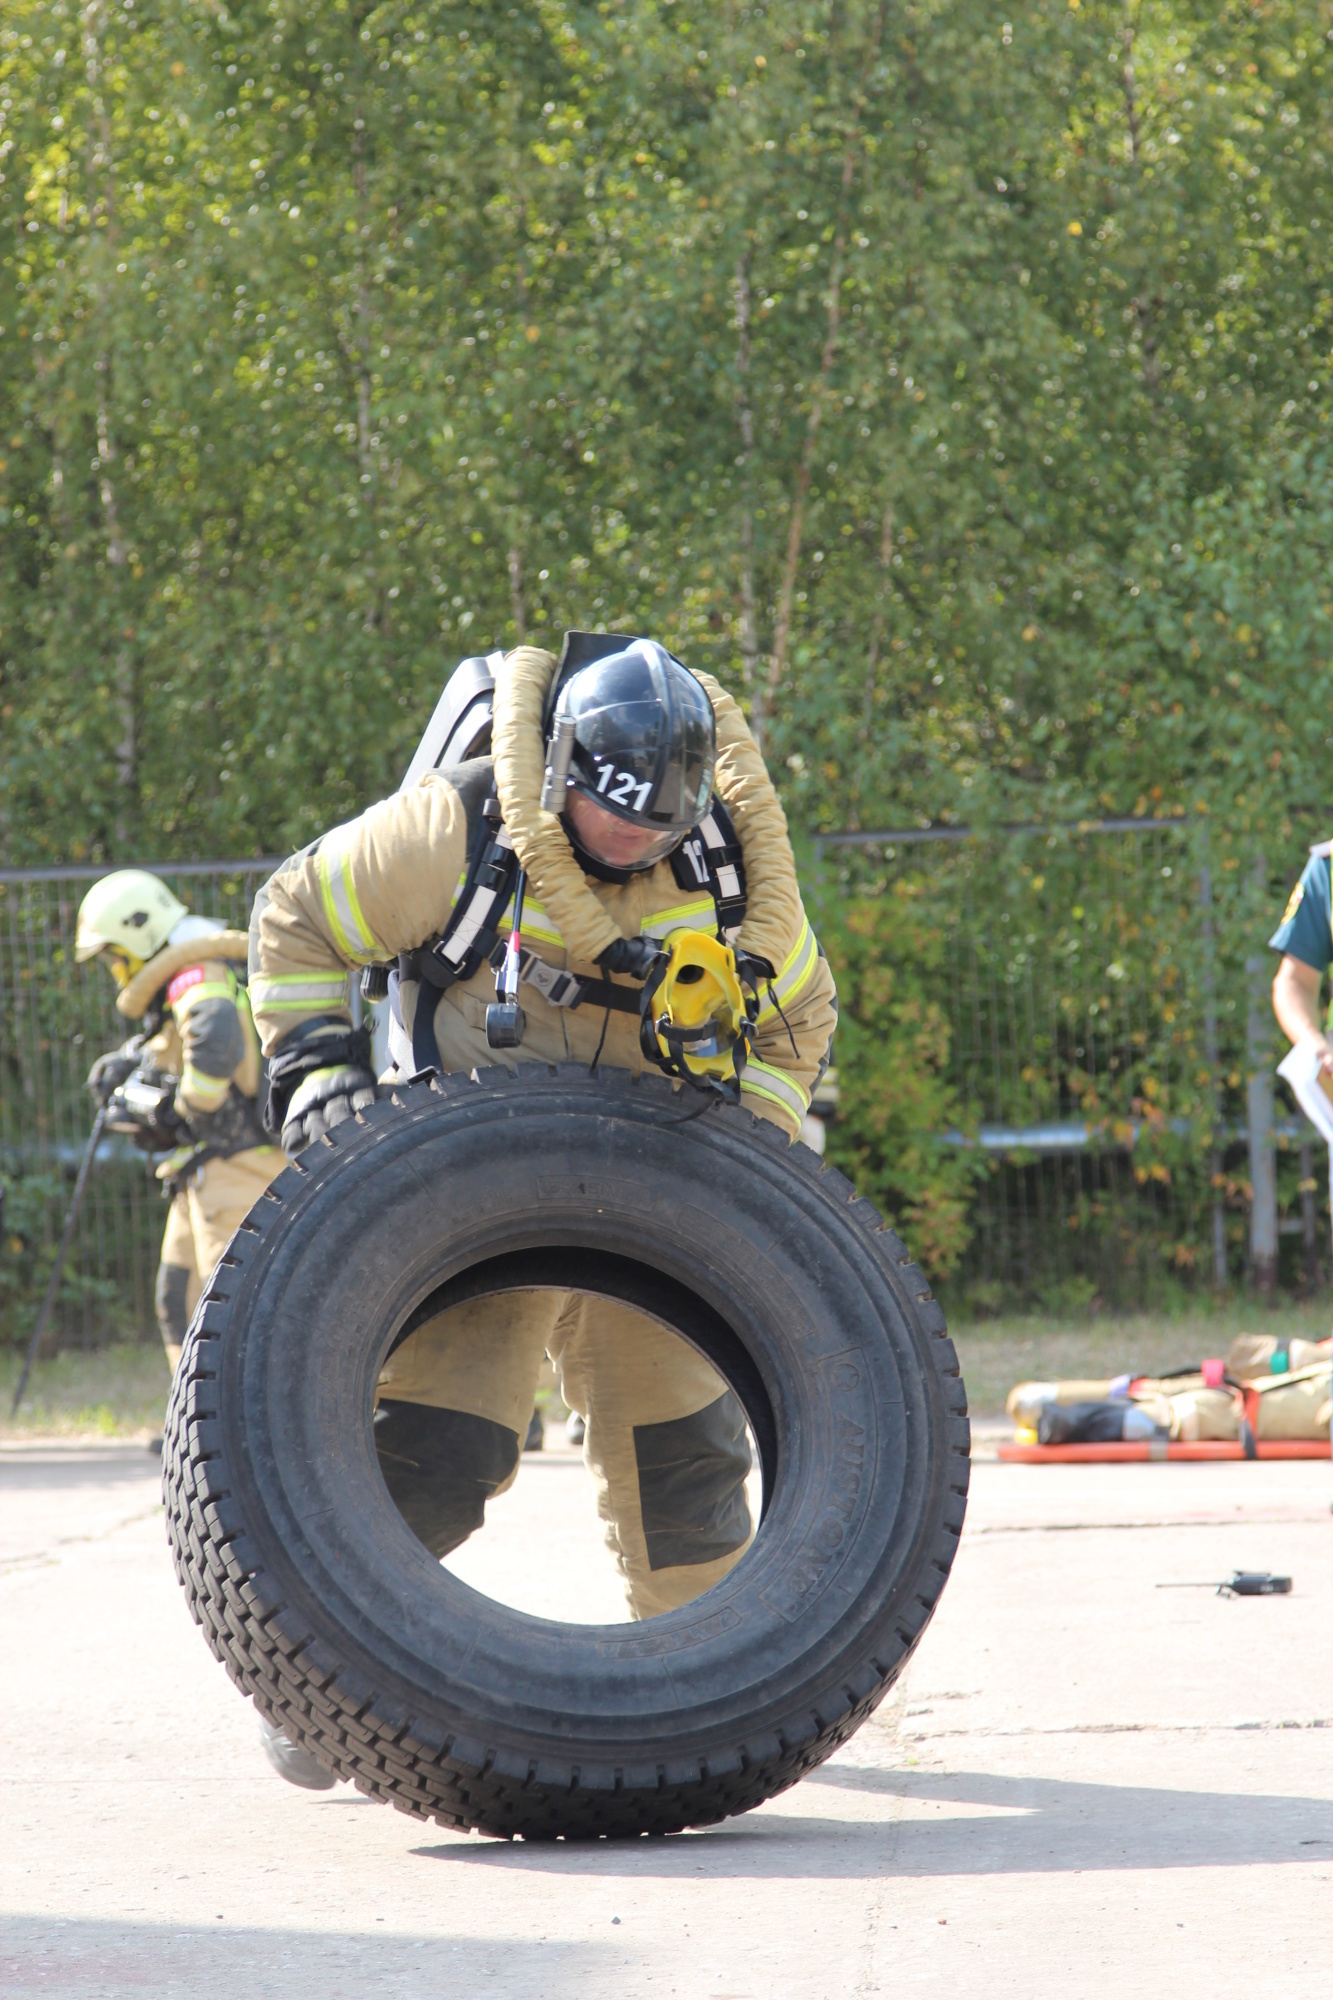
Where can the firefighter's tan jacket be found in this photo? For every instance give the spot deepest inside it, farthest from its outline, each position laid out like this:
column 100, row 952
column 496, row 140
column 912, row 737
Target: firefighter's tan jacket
column 386, row 883
column 207, row 1037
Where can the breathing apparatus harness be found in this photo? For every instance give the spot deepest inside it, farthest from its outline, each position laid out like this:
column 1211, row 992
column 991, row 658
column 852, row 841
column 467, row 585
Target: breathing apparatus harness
column 687, row 1033
column 698, row 1000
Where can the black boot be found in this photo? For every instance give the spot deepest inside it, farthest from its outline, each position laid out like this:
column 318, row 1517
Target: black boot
column 297, row 1766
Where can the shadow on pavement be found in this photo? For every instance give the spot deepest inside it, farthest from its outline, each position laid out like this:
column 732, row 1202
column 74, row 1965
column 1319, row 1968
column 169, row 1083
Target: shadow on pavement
column 79, row 1960
column 1030, row 1825
column 29, row 1470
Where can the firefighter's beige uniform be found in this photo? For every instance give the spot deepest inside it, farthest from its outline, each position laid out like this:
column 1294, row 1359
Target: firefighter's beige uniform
column 208, row 1040
column 386, row 883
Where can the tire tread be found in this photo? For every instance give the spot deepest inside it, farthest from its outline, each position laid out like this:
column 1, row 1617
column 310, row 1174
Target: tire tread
column 296, row 1683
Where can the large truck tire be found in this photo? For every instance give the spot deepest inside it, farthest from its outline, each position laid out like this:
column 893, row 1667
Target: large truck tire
column 327, row 1611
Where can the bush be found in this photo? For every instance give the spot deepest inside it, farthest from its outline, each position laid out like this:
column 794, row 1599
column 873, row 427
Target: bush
column 894, row 1097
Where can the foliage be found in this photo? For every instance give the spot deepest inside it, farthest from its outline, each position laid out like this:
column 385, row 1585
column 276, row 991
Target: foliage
column 27, row 1256
column 117, row 1391
column 893, row 1072
column 941, row 381
column 957, row 389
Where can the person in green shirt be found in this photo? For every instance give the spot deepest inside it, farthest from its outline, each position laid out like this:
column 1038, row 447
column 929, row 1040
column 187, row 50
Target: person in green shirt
column 1305, row 939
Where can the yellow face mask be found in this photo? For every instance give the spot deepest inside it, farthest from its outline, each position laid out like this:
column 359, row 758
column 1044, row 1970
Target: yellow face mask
column 697, row 1016
column 123, row 966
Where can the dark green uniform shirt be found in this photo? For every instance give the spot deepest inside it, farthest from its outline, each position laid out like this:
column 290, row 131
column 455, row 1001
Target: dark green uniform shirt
column 1306, row 930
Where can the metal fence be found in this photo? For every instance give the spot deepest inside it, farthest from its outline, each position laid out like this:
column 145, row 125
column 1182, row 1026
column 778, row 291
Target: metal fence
column 1110, row 1054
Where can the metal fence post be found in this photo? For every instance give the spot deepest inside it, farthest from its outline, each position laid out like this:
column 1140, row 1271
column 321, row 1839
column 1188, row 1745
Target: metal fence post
column 1259, row 1107
column 1209, row 984
column 1309, row 1220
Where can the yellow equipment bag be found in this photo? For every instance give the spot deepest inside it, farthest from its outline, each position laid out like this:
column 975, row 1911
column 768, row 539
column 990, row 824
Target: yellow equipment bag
column 696, row 1016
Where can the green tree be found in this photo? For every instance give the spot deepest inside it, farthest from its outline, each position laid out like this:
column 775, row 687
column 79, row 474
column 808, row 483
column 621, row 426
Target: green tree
column 955, row 388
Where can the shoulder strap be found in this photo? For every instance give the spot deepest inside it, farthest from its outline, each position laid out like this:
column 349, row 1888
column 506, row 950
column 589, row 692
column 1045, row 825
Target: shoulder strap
column 712, row 858
column 469, row 937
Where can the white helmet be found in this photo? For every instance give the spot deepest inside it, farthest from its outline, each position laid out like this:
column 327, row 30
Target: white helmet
column 131, row 911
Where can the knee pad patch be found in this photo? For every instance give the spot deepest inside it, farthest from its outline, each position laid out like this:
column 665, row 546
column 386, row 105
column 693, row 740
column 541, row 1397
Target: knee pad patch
column 170, row 1295
column 441, row 1467
column 692, row 1474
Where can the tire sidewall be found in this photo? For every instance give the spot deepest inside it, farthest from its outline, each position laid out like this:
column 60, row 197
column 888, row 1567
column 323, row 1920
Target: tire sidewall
column 357, row 1237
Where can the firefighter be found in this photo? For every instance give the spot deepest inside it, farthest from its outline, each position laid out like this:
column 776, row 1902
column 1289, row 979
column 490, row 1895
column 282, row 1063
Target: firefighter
column 665, row 823
column 187, row 1086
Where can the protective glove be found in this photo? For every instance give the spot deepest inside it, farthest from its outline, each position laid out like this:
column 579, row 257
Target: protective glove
column 635, row 956
column 323, row 1099
column 110, row 1071
column 312, row 1054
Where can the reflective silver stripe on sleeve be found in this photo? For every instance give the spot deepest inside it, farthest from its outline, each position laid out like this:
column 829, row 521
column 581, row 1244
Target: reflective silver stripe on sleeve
column 351, row 932
column 774, row 1084
column 797, row 967
column 306, row 990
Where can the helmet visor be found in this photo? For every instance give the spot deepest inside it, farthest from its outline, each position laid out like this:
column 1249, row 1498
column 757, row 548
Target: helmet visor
column 615, row 841
column 645, row 738
column 616, row 756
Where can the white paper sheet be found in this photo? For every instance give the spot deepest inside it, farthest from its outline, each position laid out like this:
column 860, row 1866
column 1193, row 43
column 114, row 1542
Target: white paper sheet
column 1301, row 1070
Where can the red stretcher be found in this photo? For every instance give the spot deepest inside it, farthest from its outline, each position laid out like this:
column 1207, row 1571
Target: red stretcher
column 1156, row 1452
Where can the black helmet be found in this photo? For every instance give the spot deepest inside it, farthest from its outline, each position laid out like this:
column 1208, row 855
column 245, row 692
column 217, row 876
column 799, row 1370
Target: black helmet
column 634, row 732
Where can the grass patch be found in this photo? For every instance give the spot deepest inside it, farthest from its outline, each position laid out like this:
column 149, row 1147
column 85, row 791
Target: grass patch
column 998, row 1353
column 115, row 1392
column 121, row 1392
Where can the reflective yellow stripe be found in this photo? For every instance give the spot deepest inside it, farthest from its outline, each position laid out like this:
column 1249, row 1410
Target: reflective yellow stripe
column 797, row 968
column 312, row 992
column 197, row 1083
column 776, row 1086
column 351, row 933
column 698, row 915
column 207, row 989
column 536, row 924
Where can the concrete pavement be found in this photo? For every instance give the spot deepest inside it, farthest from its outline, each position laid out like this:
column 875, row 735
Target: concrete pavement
column 1082, row 1785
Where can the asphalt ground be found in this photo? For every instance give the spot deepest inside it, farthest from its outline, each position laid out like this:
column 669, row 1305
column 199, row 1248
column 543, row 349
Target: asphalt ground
column 1081, row 1785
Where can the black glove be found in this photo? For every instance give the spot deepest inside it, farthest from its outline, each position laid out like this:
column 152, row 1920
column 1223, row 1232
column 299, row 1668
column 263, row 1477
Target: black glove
column 322, row 1099
column 317, row 1046
column 142, row 1107
column 635, row 956
column 110, row 1071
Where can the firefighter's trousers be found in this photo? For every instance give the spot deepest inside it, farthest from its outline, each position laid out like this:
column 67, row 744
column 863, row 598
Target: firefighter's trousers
column 665, row 1438
column 201, row 1222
